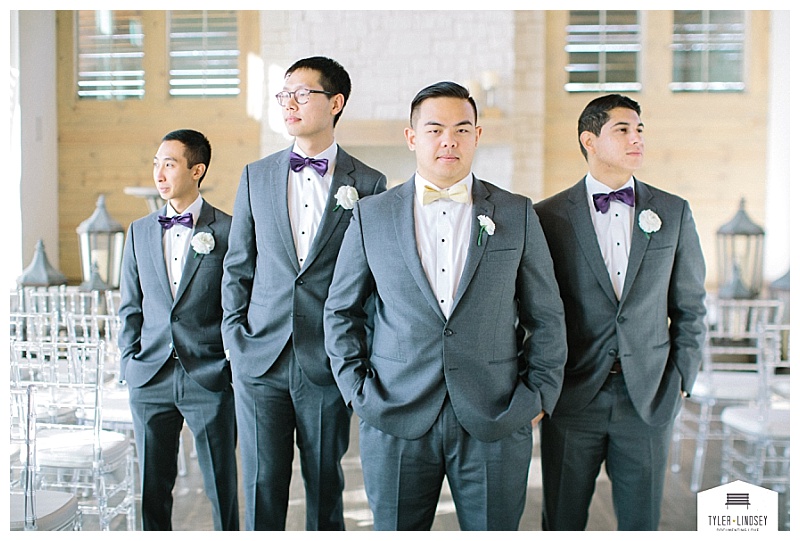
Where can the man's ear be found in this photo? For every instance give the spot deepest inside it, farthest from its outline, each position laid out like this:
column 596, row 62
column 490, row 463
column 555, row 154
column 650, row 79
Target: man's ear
column 198, row 170
column 587, row 139
column 337, row 104
column 410, row 138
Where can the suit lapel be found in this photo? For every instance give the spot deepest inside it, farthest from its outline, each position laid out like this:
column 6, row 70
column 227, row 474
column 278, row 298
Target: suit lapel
column 480, row 206
column 193, row 259
column 584, row 231
column 277, row 186
column 403, row 215
column 155, row 246
column 639, row 240
column 330, row 218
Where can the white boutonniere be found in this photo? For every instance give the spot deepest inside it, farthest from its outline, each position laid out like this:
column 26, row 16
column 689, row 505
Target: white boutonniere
column 487, row 225
column 202, row 243
column 649, row 222
column 346, row 198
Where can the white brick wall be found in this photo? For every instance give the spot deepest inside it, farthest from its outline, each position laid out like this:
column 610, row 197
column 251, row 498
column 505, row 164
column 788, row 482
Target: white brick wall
column 391, row 55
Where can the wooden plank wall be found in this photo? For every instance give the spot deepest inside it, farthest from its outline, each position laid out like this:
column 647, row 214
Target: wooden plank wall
column 105, row 146
column 708, row 147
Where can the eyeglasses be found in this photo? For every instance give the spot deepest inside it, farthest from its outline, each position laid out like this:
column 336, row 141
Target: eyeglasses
column 300, row 96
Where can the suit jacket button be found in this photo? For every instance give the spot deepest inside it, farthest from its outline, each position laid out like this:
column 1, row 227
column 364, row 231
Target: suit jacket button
column 621, row 319
column 175, row 318
column 448, row 332
column 612, row 352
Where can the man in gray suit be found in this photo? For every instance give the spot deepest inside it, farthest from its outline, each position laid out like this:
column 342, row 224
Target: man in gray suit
column 628, row 261
column 469, row 338
column 290, row 215
column 171, row 346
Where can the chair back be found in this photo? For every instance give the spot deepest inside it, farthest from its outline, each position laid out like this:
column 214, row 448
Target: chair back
column 113, row 300
column 731, row 342
column 23, row 436
column 773, row 360
column 33, row 509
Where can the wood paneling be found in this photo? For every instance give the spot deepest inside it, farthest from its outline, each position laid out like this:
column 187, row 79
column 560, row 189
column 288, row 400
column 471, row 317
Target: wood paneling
column 105, row 146
column 709, row 148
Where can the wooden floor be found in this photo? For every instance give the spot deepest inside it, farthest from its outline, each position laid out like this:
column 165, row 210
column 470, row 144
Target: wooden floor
column 679, row 512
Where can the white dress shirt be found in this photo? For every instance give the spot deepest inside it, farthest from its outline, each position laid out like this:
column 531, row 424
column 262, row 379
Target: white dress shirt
column 307, row 197
column 176, row 241
column 613, row 231
column 443, row 229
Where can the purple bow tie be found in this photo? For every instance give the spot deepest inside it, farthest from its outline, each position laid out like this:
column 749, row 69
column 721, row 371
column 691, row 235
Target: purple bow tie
column 603, row 200
column 297, row 162
column 182, row 219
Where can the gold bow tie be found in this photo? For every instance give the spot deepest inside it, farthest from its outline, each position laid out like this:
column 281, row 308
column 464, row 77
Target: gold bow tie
column 457, row 193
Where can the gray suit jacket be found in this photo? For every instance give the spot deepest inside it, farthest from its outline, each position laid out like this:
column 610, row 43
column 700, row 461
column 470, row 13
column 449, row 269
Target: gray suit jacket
column 656, row 329
column 499, row 356
column 153, row 323
column 267, row 297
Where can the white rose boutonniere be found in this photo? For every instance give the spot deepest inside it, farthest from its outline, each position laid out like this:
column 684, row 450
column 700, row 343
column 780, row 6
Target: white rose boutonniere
column 649, row 222
column 346, row 198
column 487, row 225
column 202, row 243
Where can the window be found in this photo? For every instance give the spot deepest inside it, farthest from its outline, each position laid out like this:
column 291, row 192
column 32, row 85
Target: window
column 603, row 48
column 203, row 53
column 110, row 55
column 708, row 51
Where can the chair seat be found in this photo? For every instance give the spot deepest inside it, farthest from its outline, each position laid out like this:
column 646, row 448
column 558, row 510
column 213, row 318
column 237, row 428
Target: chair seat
column 741, row 386
column 773, row 423
column 54, row 510
column 74, row 448
column 117, row 406
column 780, row 385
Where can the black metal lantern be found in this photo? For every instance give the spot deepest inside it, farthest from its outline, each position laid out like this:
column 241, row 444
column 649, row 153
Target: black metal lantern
column 740, row 249
column 101, row 241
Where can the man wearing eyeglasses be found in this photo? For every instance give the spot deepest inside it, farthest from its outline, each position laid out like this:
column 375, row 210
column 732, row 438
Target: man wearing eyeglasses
column 291, row 211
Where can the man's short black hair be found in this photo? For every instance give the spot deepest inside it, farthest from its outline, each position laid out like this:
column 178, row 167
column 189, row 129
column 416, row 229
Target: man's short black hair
column 197, row 148
column 332, row 76
column 443, row 89
column 595, row 114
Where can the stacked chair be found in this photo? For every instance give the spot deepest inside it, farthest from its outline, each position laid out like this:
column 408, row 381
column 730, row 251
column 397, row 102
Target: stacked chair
column 63, row 344
column 33, row 509
column 730, row 375
column 756, row 445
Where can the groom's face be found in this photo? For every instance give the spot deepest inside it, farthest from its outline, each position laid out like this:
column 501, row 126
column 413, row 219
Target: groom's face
column 444, row 138
column 619, row 149
column 175, row 180
column 315, row 117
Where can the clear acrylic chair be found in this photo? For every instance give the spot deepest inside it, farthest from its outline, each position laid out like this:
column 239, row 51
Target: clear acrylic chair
column 756, row 446
column 729, row 376
column 34, row 326
column 32, row 509
column 95, row 328
column 75, row 453
column 113, row 300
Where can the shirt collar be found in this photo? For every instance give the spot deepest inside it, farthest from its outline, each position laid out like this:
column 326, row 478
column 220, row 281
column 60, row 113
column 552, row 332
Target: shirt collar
column 194, row 209
column 420, row 182
column 594, row 186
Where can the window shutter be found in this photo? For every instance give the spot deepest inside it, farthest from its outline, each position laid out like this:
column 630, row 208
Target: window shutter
column 603, row 49
column 708, row 51
column 203, row 53
column 110, row 54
